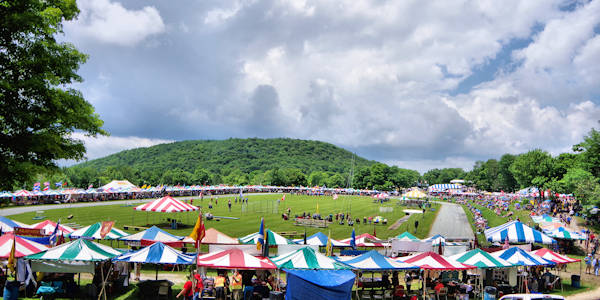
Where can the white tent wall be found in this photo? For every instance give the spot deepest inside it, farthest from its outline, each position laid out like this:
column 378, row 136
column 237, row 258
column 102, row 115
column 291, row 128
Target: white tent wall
column 251, row 249
column 62, row 267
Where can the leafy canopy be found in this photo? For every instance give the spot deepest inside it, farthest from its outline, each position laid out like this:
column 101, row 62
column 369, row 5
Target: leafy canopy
column 38, row 109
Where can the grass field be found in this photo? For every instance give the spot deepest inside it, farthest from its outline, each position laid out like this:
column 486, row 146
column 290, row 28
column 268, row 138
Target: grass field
column 249, row 218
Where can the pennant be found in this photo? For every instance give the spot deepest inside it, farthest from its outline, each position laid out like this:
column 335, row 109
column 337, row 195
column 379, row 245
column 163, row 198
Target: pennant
column 54, row 235
column 353, row 240
column 283, row 198
column 58, row 184
column 199, row 231
column 46, row 188
column 261, row 235
column 11, row 258
column 106, row 228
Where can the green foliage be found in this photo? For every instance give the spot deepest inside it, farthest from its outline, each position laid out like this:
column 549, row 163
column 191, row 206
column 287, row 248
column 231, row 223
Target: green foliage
column 38, row 112
column 382, row 177
column 590, row 152
column 436, row 176
column 533, row 168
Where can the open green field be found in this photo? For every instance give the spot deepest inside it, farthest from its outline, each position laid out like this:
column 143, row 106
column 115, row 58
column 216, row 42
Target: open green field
column 266, row 206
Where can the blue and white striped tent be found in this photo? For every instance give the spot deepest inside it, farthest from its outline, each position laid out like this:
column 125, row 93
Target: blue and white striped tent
column 157, row 253
column 374, row 261
column 444, row 187
column 517, row 233
column 320, row 239
column 153, row 234
column 7, row 225
column 6, row 195
column 520, row 257
column 437, row 239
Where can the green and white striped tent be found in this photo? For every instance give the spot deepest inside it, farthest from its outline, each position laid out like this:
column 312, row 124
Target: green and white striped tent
column 92, row 232
column 78, row 256
column 481, row 259
column 274, row 239
column 307, row 258
column 407, row 236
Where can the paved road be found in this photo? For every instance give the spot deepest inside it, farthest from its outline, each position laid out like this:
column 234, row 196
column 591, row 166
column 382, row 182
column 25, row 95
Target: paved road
column 25, row 209
column 452, row 223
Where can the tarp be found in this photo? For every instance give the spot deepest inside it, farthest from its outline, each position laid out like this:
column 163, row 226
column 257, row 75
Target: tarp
column 517, row 232
column 273, row 239
column 374, row 261
column 157, row 253
column 49, row 266
column 92, row 232
column 320, row 239
column 407, row 236
column 520, row 257
column 553, row 256
column 49, row 226
column 234, row 259
column 481, row 259
column 366, row 240
column 434, row 261
column 151, row 235
column 307, row 258
column 77, row 250
column 166, row 204
column 23, row 246
column 319, row 284
column 8, row 225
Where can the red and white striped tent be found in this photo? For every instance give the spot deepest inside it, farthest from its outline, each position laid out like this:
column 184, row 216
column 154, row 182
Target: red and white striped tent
column 366, row 240
column 166, row 204
column 23, row 193
column 234, row 259
column 434, row 261
column 553, row 256
column 49, row 226
column 23, row 246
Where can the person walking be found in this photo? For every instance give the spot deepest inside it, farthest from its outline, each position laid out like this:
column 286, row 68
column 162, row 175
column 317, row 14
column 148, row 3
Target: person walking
column 408, row 281
column 596, row 264
column 588, row 263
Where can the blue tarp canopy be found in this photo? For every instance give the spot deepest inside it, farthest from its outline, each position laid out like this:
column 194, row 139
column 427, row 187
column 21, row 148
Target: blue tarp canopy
column 319, row 284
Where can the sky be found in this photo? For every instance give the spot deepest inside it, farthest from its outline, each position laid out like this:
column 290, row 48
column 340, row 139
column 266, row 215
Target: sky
column 417, row 84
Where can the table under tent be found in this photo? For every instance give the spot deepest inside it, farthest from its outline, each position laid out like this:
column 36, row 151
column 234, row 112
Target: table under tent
column 522, row 258
column 23, row 247
column 75, row 257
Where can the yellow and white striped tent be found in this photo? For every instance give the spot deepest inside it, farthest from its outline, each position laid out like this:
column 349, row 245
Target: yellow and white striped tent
column 415, row 194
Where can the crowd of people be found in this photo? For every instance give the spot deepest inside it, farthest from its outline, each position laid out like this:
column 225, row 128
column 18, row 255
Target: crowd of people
column 246, row 285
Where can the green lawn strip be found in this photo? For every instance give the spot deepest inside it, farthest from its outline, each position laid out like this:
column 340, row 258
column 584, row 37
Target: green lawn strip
column 492, row 218
column 481, row 241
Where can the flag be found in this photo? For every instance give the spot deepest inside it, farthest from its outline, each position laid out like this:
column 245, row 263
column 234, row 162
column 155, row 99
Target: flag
column 353, row 240
column 329, row 248
column 374, row 232
column 304, row 235
column 58, row 184
column 90, row 186
column 36, row 184
column 317, row 207
column 54, row 235
column 283, row 198
column 241, row 192
column 46, row 188
column 265, row 251
column 106, row 228
column 47, row 183
column 199, row 231
column 335, row 196
column 261, row 235
column 11, row 258
column 64, row 183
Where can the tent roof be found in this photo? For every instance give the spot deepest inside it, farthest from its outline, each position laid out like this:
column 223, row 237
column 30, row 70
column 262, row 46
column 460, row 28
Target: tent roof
column 374, row 261
column 562, row 233
column 118, row 185
column 434, row 261
column 23, row 247
column 307, row 258
column 77, row 250
column 8, row 225
column 520, row 257
column 274, row 239
column 548, row 254
column 320, row 239
column 234, row 259
column 328, row 278
column 414, row 194
column 361, row 241
column 517, row 232
column 480, row 259
column 93, row 232
column 166, row 204
column 213, row 236
column 407, row 236
column 157, row 253
column 153, row 234
column 49, row 226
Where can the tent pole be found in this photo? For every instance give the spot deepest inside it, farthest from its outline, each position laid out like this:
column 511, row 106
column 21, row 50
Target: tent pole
column 79, row 279
column 156, row 278
column 423, row 283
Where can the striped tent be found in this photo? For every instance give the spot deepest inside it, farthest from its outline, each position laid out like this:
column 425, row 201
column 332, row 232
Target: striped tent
column 23, row 247
column 92, row 232
column 565, row 234
column 374, row 261
column 443, row 187
column 49, row 226
column 152, row 235
column 545, row 219
column 274, row 239
column 166, row 204
column 320, row 239
column 548, row 254
column 307, row 258
column 415, row 194
column 517, row 232
column 23, row 193
column 77, row 250
column 157, row 253
column 366, row 240
column 520, row 257
column 6, row 195
column 434, row 261
column 8, row 225
column 407, row 236
column 551, row 225
column 481, row 259
column 233, row 259
column 214, row 236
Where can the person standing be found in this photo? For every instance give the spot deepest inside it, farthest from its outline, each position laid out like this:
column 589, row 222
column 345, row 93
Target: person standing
column 248, row 284
column 229, row 204
column 188, row 290
column 588, row 263
column 408, row 281
column 236, row 285
column 596, row 265
column 220, row 286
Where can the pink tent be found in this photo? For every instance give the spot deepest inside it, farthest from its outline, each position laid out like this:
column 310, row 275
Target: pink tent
column 553, row 256
column 166, row 204
column 23, row 246
column 434, row 261
column 366, row 240
column 234, row 259
column 49, row 226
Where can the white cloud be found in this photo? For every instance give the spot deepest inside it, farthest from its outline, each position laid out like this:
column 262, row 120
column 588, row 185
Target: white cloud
column 109, row 22
column 106, row 145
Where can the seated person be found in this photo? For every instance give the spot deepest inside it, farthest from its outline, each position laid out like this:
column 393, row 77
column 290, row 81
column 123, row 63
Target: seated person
column 438, row 287
column 399, row 292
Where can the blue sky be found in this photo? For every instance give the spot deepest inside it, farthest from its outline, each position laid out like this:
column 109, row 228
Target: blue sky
column 410, row 83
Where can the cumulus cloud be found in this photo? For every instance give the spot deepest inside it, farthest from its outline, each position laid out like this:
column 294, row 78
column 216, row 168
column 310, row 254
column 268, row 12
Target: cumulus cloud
column 109, row 22
column 105, row 145
column 380, row 78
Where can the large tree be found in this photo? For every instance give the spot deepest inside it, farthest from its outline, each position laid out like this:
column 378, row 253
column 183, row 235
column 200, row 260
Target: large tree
column 590, row 152
column 39, row 110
